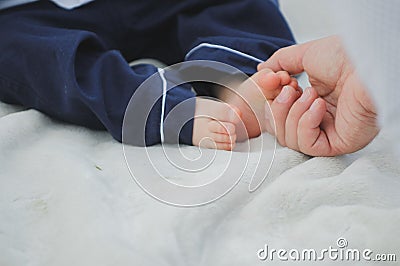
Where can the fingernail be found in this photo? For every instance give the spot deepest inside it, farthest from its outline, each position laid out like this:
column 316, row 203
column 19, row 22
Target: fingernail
column 283, row 97
column 306, row 94
column 314, row 105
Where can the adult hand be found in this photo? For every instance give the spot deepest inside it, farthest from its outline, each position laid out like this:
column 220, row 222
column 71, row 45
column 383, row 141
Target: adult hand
column 336, row 115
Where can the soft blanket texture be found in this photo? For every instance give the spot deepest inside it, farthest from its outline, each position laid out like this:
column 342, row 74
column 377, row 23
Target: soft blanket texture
column 67, row 198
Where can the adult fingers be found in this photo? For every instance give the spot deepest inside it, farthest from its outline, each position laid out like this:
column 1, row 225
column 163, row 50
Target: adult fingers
column 280, row 108
column 295, row 113
column 311, row 139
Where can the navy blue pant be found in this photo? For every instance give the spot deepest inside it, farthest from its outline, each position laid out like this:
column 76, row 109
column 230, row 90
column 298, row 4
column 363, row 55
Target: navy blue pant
column 72, row 64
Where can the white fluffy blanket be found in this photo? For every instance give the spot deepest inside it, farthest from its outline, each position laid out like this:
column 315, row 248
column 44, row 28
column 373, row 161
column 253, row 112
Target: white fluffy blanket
column 67, row 198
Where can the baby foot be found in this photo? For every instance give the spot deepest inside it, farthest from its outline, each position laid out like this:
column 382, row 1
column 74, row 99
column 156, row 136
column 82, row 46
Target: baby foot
column 250, row 99
column 214, row 125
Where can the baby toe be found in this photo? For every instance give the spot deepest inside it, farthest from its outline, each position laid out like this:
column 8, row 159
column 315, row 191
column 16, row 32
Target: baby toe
column 223, row 138
column 284, row 77
column 221, row 127
column 225, row 146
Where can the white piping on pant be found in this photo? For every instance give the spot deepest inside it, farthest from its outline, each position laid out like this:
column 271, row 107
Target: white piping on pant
column 164, row 96
column 216, row 46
